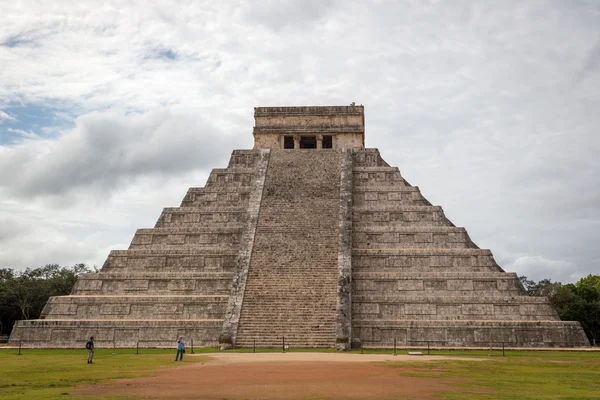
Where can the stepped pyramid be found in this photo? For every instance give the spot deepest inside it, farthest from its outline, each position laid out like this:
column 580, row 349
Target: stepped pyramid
column 309, row 237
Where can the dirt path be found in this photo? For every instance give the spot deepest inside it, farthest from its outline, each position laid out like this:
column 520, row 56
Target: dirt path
column 267, row 376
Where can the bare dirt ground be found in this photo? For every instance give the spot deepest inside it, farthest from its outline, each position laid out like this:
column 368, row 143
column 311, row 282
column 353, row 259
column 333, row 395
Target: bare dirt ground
column 266, row 376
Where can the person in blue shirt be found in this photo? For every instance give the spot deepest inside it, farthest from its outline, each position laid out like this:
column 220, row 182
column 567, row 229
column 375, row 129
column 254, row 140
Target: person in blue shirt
column 180, row 349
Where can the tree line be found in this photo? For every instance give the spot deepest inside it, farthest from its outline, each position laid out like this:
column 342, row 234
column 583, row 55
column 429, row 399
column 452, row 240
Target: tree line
column 578, row 301
column 23, row 295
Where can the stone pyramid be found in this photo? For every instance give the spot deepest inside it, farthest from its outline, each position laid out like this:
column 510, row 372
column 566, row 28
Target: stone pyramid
column 308, row 238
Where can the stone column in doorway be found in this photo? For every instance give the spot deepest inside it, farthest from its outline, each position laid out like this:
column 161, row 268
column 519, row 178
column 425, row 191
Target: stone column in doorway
column 319, row 141
column 296, row 141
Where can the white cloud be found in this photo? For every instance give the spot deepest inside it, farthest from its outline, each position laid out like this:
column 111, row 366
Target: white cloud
column 538, row 267
column 108, row 150
column 491, row 108
column 5, row 117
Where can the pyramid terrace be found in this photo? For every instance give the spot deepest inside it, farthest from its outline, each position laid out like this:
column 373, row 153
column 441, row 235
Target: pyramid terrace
column 311, row 237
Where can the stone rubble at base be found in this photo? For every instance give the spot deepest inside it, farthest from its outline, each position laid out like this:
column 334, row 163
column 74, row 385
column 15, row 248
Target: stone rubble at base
column 319, row 245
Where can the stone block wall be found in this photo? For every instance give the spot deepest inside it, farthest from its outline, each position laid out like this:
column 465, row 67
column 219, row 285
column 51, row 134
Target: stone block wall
column 471, row 333
column 173, row 280
column 320, row 246
column 419, row 279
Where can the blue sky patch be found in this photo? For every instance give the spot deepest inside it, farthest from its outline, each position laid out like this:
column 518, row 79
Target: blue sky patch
column 14, row 41
column 31, row 121
column 163, row 54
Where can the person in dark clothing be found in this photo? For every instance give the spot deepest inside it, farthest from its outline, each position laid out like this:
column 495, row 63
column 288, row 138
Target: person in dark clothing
column 90, row 348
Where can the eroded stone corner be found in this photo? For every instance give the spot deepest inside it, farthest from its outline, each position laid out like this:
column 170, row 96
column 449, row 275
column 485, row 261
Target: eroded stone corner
column 236, row 295
column 344, row 292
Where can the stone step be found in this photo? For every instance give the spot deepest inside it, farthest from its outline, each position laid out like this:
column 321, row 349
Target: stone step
column 378, row 230
column 186, row 230
column 233, row 170
column 282, row 306
column 214, row 246
column 170, row 252
column 114, row 333
column 389, row 292
column 415, row 245
column 235, row 175
column 296, row 344
column 202, row 225
column 157, row 237
column 171, row 260
column 185, row 235
column 244, row 158
column 185, row 215
column 145, row 307
column 271, row 330
column 389, row 188
column 300, row 321
column 399, row 275
column 205, row 210
column 471, row 333
column 378, row 168
column 154, row 283
column 433, row 299
column 203, row 202
column 155, row 275
column 395, row 208
column 220, row 190
column 423, row 260
column 266, row 330
column 368, row 158
column 422, row 252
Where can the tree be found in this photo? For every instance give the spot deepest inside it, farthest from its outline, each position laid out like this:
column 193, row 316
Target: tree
column 588, row 288
column 579, row 301
column 24, row 294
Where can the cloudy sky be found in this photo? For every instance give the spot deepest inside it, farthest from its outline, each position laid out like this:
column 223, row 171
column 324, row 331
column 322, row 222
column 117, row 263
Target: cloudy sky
column 110, row 112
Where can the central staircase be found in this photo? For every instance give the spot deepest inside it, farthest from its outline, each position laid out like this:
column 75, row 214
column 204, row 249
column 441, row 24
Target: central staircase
column 291, row 289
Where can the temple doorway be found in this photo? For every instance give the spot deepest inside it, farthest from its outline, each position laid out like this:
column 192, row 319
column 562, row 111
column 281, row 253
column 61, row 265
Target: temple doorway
column 308, row 142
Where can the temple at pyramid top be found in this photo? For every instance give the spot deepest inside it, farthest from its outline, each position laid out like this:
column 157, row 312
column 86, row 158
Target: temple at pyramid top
column 331, row 127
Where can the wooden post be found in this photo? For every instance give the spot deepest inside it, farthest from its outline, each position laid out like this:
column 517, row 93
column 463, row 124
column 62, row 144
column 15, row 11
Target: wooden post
column 427, row 348
column 137, row 347
column 192, row 345
column 283, row 344
column 395, row 347
column 19, row 347
column 254, row 346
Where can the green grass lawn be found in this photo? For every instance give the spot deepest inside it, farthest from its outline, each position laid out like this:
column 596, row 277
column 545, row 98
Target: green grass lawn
column 53, row 374
column 520, row 375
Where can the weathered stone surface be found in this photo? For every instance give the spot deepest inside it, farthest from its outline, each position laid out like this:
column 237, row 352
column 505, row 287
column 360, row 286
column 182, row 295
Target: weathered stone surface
column 228, row 336
column 344, row 286
column 173, row 280
column 418, row 279
column 325, row 245
column 344, row 124
column 292, row 286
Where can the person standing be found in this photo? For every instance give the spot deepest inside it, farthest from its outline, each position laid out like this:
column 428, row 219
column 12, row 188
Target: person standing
column 180, row 349
column 90, row 348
